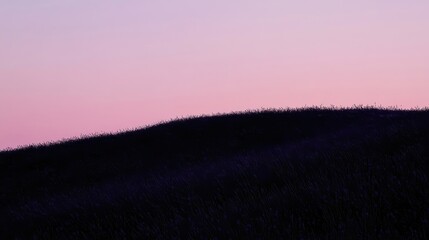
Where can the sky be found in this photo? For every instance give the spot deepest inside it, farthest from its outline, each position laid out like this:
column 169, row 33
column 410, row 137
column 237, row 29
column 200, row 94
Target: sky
column 77, row 67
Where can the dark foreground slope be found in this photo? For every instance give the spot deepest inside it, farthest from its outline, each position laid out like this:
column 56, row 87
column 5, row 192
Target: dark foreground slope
column 308, row 174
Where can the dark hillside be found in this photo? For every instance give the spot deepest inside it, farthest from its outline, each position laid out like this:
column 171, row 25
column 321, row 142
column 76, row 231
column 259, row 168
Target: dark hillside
column 306, row 174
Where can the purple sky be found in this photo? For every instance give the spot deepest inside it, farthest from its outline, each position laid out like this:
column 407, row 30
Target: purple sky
column 75, row 67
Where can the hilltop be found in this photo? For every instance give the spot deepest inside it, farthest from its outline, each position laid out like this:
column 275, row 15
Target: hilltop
column 305, row 174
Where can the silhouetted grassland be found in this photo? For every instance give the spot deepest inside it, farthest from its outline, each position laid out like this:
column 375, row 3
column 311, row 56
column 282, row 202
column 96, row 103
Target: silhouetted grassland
column 291, row 174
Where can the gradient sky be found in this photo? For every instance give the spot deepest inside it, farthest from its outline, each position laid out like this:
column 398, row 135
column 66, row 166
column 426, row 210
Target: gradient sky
column 75, row 67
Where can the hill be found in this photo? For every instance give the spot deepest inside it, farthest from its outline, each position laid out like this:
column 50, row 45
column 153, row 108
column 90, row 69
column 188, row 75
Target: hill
column 304, row 174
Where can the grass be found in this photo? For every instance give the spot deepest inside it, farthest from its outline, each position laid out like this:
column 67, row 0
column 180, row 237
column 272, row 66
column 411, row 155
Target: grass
column 358, row 173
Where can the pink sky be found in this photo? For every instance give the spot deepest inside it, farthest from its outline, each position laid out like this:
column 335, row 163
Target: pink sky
column 75, row 67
